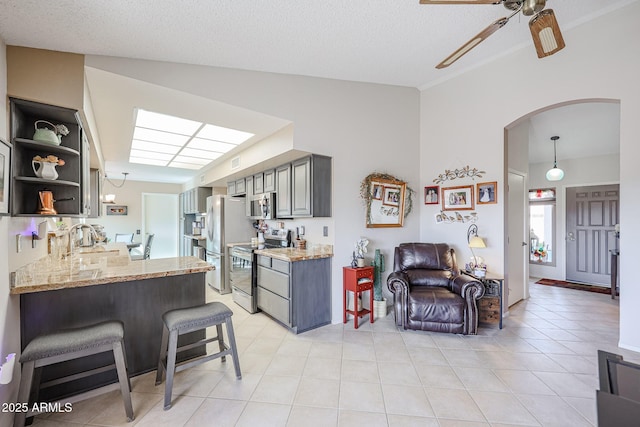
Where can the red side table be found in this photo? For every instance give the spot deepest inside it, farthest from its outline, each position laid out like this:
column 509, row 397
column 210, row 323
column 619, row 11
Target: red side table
column 357, row 280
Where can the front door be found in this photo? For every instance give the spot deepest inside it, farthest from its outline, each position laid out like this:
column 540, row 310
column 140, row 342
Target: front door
column 592, row 213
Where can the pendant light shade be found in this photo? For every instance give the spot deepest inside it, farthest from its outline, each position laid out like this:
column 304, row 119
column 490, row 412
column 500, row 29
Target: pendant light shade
column 555, row 173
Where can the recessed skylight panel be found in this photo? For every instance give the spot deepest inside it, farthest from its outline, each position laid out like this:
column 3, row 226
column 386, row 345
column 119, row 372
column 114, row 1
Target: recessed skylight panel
column 163, row 122
column 209, row 145
column 218, row 133
column 211, row 155
column 152, row 146
column 163, row 140
column 160, row 137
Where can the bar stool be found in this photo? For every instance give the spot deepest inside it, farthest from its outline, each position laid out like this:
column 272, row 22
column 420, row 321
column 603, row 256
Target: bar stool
column 71, row 344
column 185, row 320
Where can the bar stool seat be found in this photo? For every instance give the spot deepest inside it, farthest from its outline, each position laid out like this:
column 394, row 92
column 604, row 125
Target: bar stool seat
column 71, row 344
column 185, row 320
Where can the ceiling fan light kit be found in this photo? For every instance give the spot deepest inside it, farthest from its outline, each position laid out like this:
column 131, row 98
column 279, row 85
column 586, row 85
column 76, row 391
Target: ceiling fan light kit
column 555, row 173
column 543, row 25
column 546, row 34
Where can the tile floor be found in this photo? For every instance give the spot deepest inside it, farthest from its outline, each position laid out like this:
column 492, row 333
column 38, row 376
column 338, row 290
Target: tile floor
column 540, row 370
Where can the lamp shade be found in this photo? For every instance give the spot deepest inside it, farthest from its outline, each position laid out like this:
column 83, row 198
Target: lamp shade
column 477, row 242
column 555, row 174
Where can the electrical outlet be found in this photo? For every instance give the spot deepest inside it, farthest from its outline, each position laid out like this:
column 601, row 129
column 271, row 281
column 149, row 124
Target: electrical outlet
column 325, row 231
column 18, row 243
column 137, row 231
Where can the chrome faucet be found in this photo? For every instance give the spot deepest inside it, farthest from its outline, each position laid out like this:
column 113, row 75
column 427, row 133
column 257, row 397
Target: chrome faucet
column 73, row 241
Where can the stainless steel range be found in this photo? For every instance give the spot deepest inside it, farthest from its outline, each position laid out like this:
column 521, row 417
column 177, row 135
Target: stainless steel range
column 243, row 271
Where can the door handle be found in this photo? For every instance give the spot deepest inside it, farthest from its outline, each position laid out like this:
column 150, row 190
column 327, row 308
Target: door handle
column 571, row 236
column 524, row 243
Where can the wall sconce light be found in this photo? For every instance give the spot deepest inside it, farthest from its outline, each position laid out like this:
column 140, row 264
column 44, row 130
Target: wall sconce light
column 555, row 173
column 109, row 198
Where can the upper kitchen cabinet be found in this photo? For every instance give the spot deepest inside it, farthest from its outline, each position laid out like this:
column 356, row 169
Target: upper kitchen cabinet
column 237, row 187
column 48, row 168
column 304, row 188
column 195, row 200
column 269, row 180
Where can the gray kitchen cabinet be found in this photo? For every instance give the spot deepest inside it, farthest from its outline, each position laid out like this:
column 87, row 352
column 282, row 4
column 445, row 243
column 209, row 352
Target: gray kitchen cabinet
column 195, row 200
column 241, row 187
column 95, row 198
column 269, row 180
column 283, row 191
column 297, row 294
column 304, row 188
column 258, row 183
column 248, row 185
column 231, row 188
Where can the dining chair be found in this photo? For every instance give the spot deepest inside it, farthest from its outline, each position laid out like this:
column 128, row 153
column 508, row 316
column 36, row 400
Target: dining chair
column 124, row 238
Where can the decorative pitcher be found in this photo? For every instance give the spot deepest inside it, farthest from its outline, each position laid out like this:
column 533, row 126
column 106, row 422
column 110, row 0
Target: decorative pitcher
column 45, row 170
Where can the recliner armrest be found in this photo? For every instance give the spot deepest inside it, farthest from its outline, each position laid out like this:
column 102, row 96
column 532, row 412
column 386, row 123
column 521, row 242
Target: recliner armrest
column 466, row 285
column 398, row 280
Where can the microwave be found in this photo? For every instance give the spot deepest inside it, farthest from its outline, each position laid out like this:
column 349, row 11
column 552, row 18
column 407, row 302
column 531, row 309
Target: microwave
column 262, row 206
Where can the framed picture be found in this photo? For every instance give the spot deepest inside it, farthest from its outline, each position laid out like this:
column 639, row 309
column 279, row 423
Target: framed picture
column 386, row 206
column 487, row 192
column 116, row 210
column 431, row 195
column 391, row 196
column 377, row 191
column 457, row 198
column 5, row 176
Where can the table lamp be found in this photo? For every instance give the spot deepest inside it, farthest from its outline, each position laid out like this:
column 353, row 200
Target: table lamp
column 474, row 242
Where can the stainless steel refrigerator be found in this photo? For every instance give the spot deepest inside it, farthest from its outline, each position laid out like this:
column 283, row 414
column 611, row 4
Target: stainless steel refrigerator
column 225, row 222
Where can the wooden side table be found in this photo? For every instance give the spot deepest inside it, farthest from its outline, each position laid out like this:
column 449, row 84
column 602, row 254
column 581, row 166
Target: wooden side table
column 357, row 280
column 490, row 306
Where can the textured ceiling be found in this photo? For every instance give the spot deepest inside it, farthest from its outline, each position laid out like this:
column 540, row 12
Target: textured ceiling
column 395, row 42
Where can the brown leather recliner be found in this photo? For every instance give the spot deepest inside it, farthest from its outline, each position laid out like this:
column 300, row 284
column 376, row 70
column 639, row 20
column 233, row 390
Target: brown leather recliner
column 429, row 293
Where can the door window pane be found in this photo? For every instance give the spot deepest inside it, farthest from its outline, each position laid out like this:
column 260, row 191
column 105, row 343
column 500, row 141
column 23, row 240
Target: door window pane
column 542, row 221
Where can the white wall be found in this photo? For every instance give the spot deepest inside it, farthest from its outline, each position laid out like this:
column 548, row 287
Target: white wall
column 365, row 128
column 130, row 195
column 601, row 61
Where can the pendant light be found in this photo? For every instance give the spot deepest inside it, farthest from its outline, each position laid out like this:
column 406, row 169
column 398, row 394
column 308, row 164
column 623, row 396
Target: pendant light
column 555, row 173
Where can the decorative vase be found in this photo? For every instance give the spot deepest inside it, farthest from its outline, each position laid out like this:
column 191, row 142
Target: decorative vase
column 378, row 266
column 360, row 262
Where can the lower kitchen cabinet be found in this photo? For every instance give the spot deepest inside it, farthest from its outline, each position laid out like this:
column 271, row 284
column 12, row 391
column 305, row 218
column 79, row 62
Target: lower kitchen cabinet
column 297, row 294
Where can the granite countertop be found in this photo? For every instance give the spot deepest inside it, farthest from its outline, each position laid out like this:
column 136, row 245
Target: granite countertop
column 294, row 254
column 97, row 266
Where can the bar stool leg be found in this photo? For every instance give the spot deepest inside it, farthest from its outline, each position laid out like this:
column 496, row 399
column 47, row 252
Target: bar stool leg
column 221, row 341
column 24, row 392
column 123, row 378
column 234, row 349
column 163, row 354
column 171, row 368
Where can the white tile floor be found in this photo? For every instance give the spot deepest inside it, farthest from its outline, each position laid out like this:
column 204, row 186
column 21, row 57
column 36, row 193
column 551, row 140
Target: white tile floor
column 540, row 370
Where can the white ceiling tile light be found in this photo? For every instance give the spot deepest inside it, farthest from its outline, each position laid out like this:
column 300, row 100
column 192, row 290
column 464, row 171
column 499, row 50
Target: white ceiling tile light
column 162, row 140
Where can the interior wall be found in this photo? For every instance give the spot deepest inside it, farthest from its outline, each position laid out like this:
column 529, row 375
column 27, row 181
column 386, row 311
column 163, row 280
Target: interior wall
column 600, row 62
column 364, row 127
column 9, row 305
column 130, row 195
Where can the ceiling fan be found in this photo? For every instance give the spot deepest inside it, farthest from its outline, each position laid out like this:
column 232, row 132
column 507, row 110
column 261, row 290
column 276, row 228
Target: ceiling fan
column 545, row 31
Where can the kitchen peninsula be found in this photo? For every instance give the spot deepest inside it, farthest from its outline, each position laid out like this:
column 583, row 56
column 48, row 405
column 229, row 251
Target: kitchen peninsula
column 100, row 284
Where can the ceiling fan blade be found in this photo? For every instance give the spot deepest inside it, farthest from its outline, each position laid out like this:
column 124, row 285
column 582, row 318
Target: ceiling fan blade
column 546, row 34
column 482, row 35
column 460, row 1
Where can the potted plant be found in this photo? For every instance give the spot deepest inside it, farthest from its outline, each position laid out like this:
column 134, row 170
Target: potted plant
column 379, row 303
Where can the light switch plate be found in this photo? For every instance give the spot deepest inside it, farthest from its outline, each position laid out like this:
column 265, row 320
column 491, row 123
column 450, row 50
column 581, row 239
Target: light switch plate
column 18, row 243
column 325, row 231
